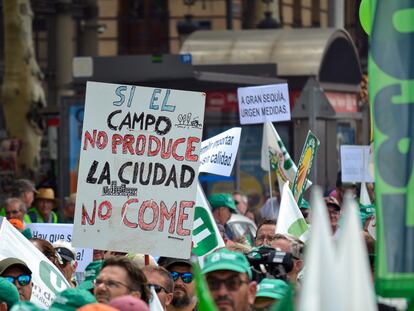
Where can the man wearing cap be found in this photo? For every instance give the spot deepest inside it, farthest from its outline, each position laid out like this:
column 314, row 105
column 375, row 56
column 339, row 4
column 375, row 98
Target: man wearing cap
column 44, row 203
column 229, row 279
column 71, row 299
column 24, row 189
column 120, row 276
column 334, row 211
column 160, row 279
column 222, row 205
column 18, row 273
column 69, row 263
column 8, row 295
column 181, row 271
column 269, row 292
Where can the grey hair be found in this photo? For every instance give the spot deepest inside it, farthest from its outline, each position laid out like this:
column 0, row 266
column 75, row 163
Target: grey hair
column 13, row 200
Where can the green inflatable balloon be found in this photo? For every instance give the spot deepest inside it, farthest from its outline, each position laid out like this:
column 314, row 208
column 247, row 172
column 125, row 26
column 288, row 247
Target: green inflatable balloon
column 365, row 15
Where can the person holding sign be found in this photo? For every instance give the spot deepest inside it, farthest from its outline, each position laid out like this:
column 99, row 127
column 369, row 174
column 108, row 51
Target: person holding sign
column 120, row 276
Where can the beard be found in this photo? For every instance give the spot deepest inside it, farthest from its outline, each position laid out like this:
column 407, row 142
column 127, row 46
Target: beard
column 181, row 301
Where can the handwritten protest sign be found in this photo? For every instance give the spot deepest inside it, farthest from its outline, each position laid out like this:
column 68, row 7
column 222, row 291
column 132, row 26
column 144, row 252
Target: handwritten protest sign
column 138, row 169
column 266, row 103
column 47, row 279
column 55, row 232
column 355, row 163
column 218, row 153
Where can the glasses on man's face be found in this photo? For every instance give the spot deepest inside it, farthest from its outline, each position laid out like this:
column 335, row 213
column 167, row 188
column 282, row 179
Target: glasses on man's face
column 110, row 283
column 22, row 279
column 262, row 238
column 232, row 284
column 187, row 277
column 158, row 288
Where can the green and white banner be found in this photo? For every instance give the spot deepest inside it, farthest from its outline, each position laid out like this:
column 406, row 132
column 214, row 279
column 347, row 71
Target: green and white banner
column 47, row 279
column 275, row 155
column 305, row 164
column 391, row 84
column 206, row 236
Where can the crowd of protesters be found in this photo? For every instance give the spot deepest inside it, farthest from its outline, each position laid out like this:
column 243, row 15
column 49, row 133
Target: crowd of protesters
column 121, row 281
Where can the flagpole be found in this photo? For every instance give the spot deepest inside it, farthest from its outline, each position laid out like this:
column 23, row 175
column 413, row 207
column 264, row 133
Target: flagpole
column 270, row 185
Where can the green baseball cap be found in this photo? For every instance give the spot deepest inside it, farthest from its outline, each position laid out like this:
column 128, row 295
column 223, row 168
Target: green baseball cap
column 366, row 211
column 222, row 199
column 272, row 288
column 304, row 204
column 15, row 262
column 71, row 299
column 91, row 272
column 224, row 259
column 25, row 306
column 8, row 293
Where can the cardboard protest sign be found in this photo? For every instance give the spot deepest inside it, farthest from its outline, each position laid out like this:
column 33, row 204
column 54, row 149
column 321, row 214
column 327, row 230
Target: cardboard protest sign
column 55, row 232
column 138, row 169
column 355, row 163
column 218, row 154
column 47, row 279
column 305, row 164
column 266, row 103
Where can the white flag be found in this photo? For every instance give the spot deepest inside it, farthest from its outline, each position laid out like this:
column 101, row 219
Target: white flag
column 155, row 304
column 364, row 196
column 206, row 236
column 275, row 156
column 319, row 288
column 290, row 219
column 47, row 279
column 353, row 267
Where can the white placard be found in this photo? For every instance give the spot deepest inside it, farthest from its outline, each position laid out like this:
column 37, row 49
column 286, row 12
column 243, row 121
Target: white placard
column 355, row 164
column 267, row 103
column 47, row 279
column 218, row 154
column 138, row 169
column 54, row 232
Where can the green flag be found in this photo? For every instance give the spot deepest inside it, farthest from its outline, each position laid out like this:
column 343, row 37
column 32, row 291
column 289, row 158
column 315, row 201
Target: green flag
column 205, row 301
column 206, row 236
column 391, row 84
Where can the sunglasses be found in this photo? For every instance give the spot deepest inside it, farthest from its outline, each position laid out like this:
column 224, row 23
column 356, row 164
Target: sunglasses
column 158, row 288
column 187, row 277
column 22, row 279
column 232, row 284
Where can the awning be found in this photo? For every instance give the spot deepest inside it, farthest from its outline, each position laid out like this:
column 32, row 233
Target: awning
column 327, row 54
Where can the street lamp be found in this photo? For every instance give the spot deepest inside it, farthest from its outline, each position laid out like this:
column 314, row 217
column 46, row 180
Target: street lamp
column 187, row 26
column 268, row 22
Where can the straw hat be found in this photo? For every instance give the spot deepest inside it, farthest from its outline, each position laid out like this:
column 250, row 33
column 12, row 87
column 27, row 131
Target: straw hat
column 45, row 193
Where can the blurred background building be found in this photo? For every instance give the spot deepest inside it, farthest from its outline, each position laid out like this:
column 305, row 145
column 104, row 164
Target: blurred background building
column 152, row 32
